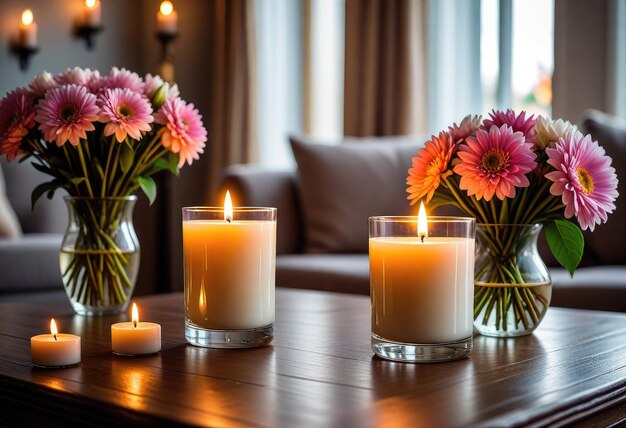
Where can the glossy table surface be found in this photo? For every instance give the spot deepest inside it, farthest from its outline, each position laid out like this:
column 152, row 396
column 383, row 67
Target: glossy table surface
column 319, row 371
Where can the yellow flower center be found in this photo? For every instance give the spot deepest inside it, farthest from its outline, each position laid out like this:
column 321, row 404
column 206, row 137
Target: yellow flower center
column 494, row 161
column 585, row 180
column 125, row 111
column 68, row 112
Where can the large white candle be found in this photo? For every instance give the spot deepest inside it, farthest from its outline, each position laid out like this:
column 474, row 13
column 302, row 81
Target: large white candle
column 229, row 272
column 55, row 349
column 422, row 288
column 135, row 338
column 28, row 30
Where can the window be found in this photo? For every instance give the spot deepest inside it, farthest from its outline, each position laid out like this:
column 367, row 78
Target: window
column 517, row 54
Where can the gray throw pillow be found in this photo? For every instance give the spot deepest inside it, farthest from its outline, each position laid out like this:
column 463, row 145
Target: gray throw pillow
column 9, row 225
column 342, row 185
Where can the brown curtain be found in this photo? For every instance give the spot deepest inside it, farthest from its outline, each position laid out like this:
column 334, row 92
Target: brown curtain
column 385, row 67
column 232, row 71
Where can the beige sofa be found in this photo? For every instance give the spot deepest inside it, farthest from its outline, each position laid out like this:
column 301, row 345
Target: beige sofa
column 323, row 208
column 29, row 239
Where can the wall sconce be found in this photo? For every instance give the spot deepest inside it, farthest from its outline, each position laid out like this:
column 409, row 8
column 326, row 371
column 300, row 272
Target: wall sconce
column 167, row 32
column 26, row 44
column 89, row 26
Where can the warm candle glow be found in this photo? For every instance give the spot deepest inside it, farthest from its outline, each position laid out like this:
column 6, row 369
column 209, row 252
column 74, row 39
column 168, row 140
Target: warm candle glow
column 90, row 3
column 135, row 316
column 202, row 302
column 166, row 8
column 53, row 327
column 422, row 223
column 228, row 208
column 27, row 17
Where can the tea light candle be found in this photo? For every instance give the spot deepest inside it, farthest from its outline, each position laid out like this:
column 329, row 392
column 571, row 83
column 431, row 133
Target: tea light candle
column 28, row 30
column 167, row 18
column 55, row 349
column 135, row 338
column 93, row 12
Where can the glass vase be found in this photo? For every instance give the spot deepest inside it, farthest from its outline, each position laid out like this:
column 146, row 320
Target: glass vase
column 100, row 254
column 512, row 287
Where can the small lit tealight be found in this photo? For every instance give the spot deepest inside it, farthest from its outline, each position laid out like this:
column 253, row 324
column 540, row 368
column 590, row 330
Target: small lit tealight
column 55, row 349
column 135, row 338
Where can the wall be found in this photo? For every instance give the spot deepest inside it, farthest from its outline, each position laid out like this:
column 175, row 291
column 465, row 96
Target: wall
column 192, row 65
column 582, row 50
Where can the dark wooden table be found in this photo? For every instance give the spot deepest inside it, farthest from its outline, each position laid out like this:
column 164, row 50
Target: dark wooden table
column 319, row 371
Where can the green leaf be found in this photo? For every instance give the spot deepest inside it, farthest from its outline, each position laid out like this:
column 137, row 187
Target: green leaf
column 43, row 168
column 78, row 180
column 566, row 242
column 126, row 157
column 148, row 186
column 170, row 164
column 99, row 169
column 41, row 190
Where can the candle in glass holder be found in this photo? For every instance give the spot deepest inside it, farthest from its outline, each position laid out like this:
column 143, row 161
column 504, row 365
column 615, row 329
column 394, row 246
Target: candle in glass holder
column 422, row 286
column 229, row 261
column 55, row 349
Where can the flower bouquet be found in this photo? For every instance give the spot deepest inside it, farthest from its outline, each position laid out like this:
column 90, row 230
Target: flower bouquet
column 101, row 138
column 516, row 174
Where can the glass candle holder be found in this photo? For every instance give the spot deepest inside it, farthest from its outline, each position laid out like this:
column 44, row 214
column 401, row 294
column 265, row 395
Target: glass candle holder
column 230, row 271
column 422, row 288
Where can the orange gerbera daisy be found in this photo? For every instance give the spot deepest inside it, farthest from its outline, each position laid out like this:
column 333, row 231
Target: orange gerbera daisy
column 429, row 166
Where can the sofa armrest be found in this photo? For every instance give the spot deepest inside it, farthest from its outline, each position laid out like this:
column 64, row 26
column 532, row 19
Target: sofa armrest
column 256, row 186
column 30, row 263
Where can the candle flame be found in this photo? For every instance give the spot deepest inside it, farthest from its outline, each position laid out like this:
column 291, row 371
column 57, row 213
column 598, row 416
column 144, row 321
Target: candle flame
column 53, row 328
column 135, row 316
column 202, row 301
column 422, row 223
column 166, row 8
column 90, row 3
column 27, row 17
column 228, row 208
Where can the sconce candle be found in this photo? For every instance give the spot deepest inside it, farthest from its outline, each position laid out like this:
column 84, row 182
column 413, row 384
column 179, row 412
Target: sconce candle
column 135, row 338
column 28, row 30
column 230, row 263
column 167, row 18
column 55, row 349
column 93, row 13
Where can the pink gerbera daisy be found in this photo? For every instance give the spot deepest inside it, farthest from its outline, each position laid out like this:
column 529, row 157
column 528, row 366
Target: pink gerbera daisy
column 584, row 178
column 185, row 133
column 77, row 76
column 125, row 113
column 42, row 83
column 17, row 116
column 495, row 162
column 467, row 127
column 519, row 123
column 122, row 78
column 429, row 167
column 66, row 113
